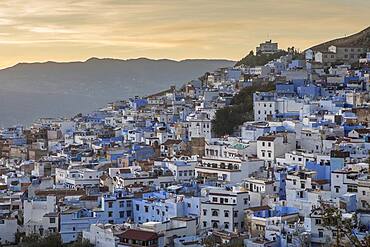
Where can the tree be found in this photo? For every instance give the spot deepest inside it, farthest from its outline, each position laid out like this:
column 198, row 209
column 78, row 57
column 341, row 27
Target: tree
column 260, row 59
column 35, row 240
column 230, row 117
column 81, row 243
column 333, row 220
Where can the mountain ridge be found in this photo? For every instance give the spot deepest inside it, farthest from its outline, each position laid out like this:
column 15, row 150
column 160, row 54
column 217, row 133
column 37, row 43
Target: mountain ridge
column 94, row 59
column 359, row 39
column 33, row 90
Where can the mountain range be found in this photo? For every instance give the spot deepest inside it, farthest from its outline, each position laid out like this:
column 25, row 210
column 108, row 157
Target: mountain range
column 32, row 90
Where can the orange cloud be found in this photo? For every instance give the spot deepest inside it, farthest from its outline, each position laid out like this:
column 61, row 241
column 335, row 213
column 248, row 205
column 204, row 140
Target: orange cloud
column 75, row 30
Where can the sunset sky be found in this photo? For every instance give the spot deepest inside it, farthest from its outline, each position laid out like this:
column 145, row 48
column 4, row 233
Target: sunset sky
column 66, row 30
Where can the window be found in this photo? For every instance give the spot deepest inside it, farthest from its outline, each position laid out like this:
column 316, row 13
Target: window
column 121, row 214
column 204, row 223
column 263, row 144
column 128, row 204
column 226, row 225
column 121, row 204
column 128, row 213
column 245, row 201
column 226, row 213
column 364, row 193
column 110, row 214
column 214, row 199
column 269, row 144
column 214, row 213
column 235, row 214
column 137, row 207
column 321, row 234
column 204, row 211
column 146, row 209
column 110, row 204
column 52, row 220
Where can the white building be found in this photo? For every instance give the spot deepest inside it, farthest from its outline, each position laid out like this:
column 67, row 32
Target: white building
column 363, row 194
column 77, row 178
column 103, row 235
column 227, row 170
column 8, row 229
column 40, row 215
column 224, row 209
column 272, row 146
column 199, row 125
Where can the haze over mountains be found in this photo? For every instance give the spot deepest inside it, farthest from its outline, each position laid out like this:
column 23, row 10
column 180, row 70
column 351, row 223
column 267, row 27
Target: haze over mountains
column 32, row 90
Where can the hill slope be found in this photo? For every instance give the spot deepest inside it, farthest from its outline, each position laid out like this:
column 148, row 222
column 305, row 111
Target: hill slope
column 360, row 39
column 32, row 90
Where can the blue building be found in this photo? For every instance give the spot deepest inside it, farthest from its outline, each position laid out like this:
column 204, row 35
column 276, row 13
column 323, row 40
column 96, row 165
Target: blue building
column 116, row 208
column 160, row 207
column 311, row 91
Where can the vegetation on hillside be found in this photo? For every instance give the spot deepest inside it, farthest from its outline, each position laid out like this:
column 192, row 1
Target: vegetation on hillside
column 229, row 118
column 261, row 59
column 52, row 240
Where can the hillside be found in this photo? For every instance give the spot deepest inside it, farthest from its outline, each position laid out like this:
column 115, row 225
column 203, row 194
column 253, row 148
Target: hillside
column 360, row 39
column 32, row 90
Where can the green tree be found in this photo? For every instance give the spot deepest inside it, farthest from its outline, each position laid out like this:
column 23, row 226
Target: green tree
column 229, row 118
column 259, row 59
column 35, row 240
column 333, row 220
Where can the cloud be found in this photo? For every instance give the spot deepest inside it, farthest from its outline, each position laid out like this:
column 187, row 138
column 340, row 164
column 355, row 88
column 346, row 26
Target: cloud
column 70, row 29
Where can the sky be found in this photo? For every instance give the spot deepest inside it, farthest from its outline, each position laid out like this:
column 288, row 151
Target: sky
column 70, row 30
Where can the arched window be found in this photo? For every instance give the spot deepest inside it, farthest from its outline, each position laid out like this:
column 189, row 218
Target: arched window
column 215, row 225
column 214, row 213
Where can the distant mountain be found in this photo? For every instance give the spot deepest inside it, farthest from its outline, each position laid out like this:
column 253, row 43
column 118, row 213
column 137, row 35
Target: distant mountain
column 32, row 90
column 360, row 39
